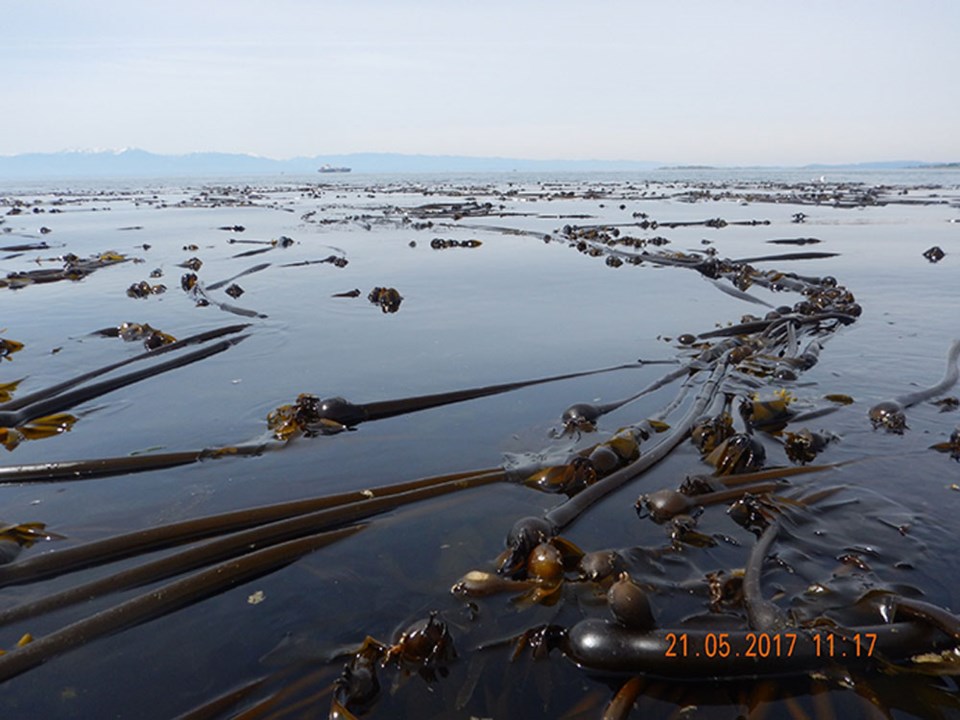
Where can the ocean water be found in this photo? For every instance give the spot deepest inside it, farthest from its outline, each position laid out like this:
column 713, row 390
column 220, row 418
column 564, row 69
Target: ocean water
column 515, row 299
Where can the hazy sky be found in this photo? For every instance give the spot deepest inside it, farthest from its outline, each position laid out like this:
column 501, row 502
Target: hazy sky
column 701, row 81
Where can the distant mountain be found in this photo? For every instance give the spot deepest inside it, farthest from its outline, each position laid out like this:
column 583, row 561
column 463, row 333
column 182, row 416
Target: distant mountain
column 140, row 163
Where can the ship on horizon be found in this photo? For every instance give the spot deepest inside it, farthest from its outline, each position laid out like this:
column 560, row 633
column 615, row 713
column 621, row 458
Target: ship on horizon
column 332, row 169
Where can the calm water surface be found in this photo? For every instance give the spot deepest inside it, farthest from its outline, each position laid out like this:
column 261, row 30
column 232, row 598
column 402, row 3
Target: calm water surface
column 524, row 303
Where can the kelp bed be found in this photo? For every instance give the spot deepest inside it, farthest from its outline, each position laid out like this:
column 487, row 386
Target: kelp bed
column 490, row 448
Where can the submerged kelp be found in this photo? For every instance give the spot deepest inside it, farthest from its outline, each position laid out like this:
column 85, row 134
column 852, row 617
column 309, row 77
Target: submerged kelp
column 729, row 516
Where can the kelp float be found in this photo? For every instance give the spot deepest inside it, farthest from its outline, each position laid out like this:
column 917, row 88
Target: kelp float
column 632, row 624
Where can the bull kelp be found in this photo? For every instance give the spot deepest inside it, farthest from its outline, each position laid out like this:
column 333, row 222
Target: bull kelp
column 606, row 456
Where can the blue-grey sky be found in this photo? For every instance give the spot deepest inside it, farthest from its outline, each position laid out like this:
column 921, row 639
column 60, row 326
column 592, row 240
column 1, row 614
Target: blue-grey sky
column 697, row 81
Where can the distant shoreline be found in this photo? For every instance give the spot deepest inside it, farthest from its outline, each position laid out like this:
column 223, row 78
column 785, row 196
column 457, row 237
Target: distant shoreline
column 142, row 163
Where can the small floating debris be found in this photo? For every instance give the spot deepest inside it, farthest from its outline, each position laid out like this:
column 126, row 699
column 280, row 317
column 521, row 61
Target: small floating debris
column 234, row 291
column 387, row 298
column 947, row 404
column 9, row 347
column 335, row 260
column 8, row 389
column 144, row 289
column 37, row 429
column 952, row 446
column 26, row 534
column 934, row 254
column 443, row 244
column 24, row 640
column 348, row 294
column 132, row 332
column 795, row 241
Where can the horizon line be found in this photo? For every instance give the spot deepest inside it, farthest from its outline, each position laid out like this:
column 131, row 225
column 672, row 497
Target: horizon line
column 659, row 164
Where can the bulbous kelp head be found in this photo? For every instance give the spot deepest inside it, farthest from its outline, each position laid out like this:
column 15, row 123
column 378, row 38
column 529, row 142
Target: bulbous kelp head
column 599, row 565
column 889, row 415
column 425, row 647
column 581, row 417
column 523, row 537
column 738, row 454
column 604, row 460
column 545, row 564
column 312, row 410
column 312, row 416
column 726, row 591
column 751, row 513
column 663, row 505
column 387, row 298
column 630, row 604
column 803, row 446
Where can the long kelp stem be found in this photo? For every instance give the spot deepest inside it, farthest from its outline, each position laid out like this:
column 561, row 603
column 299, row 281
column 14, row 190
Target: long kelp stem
column 249, row 271
column 359, row 504
column 764, row 325
column 66, row 400
column 62, row 470
column 218, row 706
column 163, row 601
column 950, row 377
column 228, row 546
column 704, row 358
column 769, row 473
column 391, row 408
column 762, row 614
column 49, row 392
